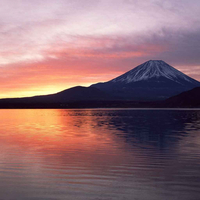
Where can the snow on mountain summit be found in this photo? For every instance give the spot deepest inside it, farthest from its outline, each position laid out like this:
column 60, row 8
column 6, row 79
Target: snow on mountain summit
column 150, row 81
column 152, row 69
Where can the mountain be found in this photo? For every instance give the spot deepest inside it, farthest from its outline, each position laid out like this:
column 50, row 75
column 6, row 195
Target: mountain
column 78, row 93
column 151, row 81
column 75, row 94
column 188, row 99
column 148, row 85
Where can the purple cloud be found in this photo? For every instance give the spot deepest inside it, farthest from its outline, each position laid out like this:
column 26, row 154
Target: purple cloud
column 106, row 34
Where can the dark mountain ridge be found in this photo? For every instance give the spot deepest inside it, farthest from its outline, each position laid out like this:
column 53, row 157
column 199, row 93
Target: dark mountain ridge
column 75, row 94
column 188, row 99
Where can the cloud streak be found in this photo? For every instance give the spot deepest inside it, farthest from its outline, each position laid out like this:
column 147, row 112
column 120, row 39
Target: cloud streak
column 64, row 41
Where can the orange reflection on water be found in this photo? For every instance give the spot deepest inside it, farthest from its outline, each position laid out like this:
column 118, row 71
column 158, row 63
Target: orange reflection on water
column 81, row 152
column 61, row 136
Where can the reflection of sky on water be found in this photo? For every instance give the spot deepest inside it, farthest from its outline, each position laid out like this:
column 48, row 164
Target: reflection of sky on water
column 155, row 127
column 97, row 131
column 120, row 152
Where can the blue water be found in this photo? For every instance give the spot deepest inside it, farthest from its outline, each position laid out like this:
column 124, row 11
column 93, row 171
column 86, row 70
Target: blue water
column 105, row 154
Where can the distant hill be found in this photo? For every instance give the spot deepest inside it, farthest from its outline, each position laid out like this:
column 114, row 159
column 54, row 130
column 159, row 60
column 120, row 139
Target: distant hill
column 75, row 94
column 78, row 93
column 188, row 99
column 151, row 81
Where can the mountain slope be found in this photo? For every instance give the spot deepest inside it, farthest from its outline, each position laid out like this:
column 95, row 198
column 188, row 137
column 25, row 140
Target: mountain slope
column 79, row 93
column 74, row 94
column 188, row 99
column 152, row 80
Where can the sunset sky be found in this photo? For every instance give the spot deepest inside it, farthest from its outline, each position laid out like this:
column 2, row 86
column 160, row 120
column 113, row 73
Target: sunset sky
column 50, row 45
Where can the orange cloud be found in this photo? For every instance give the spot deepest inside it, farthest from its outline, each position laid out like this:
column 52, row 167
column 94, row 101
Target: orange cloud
column 86, row 62
column 47, row 77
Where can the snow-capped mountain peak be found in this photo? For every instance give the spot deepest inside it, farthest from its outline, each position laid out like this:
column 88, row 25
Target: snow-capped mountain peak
column 152, row 80
column 152, row 69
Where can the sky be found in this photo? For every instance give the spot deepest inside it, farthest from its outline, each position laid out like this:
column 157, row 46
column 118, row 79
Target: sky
column 50, row 45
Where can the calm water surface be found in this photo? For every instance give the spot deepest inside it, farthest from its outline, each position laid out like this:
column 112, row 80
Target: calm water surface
column 100, row 154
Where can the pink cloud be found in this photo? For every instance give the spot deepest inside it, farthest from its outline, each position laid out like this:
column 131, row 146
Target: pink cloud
column 49, row 46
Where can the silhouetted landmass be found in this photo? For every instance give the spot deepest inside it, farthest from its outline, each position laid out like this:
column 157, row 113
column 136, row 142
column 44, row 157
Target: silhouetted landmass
column 146, row 86
column 188, row 99
column 66, row 98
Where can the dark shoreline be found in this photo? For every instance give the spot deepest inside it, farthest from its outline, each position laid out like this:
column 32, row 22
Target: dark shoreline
column 188, row 99
column 90, row 105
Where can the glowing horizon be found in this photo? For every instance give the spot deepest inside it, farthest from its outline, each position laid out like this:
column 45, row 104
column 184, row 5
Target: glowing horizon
column 59, row 44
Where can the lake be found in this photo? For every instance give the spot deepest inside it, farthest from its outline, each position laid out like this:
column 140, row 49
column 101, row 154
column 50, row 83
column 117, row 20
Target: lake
column 100, row 154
